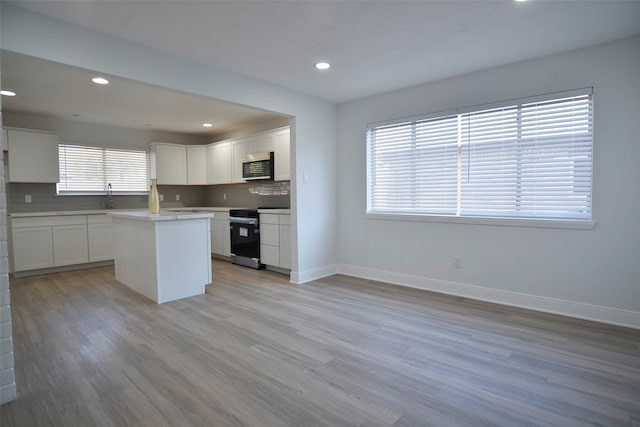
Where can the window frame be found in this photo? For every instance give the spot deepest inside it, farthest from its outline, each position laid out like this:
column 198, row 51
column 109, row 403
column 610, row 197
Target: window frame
column 519, row 221
column 105, row 181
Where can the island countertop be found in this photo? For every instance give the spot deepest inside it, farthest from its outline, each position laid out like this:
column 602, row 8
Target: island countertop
column 162, row 216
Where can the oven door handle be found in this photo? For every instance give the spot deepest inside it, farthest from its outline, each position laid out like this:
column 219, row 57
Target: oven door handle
column 237, row 220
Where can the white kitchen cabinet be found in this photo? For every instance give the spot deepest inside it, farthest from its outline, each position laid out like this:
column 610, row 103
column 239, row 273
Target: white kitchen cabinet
column 170, row 163
column 32, row 156
column 32, row 248
column 220, row 234
column 196, row 165
column 238, row 153
column 100, row 237
column 282, row 155
column 44, row 242
column 285, row 241
column 70, row 245
column 219, row 163
column 275, row 240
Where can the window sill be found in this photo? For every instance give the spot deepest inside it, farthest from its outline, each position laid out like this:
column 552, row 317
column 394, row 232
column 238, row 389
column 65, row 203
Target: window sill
column 508, row 222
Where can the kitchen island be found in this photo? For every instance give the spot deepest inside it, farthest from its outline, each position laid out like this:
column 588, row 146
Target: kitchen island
column 165, row 256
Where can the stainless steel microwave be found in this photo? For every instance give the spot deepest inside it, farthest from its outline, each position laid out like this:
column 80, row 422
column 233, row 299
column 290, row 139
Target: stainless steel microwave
column 258, row 166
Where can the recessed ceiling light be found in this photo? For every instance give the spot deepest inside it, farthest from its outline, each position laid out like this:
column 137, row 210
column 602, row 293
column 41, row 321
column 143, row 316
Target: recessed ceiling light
column 520, row 1
column 7, row 93
column 76, row 115
column 207, row 125
column 100, row 80
column 323, row 65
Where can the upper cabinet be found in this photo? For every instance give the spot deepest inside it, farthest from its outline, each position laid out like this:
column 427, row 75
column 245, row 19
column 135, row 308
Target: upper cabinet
column 170, row 163
column 219, row 162
column 282, row 155
column 32, row 156
column 196, row 165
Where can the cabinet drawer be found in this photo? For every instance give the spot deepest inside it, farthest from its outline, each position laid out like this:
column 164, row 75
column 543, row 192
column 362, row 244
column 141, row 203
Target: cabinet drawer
column 49, row 221
column 220, row 216
column 270, row 255
column 269, row 219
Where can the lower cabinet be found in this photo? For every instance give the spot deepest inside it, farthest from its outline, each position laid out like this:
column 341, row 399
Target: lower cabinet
column 275, row 240
column 32, row 248
column 220, row 235
column 70, row 245
column 100, row 231
column 285, row 241
column 56, row 241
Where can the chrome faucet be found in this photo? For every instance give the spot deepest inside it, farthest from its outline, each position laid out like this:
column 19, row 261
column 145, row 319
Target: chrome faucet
column 109, row 197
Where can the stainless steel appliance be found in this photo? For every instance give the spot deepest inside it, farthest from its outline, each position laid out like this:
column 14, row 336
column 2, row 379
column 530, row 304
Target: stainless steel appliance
column 245, row 237
column 258, row 166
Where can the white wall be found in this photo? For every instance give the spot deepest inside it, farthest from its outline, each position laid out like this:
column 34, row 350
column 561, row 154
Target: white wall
column 585, row 273
column 314, row 146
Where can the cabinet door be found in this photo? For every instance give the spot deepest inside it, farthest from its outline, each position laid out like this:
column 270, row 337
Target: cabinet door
column 219, row 163
column 196, row 165
column 170, row 164
column 32, row 156
column 267, row 142
column 226, row 238
column 32, row 248
column 217, row 237
column 70, row 245
column 100, row 242
column 269, row 234
column 285, row 246
column 282, row 156
column 238, row 153
column 252, row 145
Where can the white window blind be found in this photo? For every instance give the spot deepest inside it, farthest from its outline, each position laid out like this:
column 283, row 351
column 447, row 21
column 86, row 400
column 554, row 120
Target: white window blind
column 85, row 169
column 528, row 158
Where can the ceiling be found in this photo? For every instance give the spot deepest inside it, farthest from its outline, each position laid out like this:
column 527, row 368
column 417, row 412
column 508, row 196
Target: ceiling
column 373, row 46
column 52, row 89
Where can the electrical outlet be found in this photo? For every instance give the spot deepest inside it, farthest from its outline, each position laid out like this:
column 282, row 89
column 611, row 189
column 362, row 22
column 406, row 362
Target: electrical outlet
column 177, row 197
column 27, row 198
column 162, row 197
column 224, row 196
column 305, row 178
column 457, row 262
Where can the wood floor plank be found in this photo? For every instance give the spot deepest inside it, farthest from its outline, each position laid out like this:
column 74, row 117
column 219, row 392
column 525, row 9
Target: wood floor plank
column 255, row 350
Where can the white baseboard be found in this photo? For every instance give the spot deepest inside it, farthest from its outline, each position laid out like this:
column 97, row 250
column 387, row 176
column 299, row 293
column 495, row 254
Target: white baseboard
column 299, row 277
column 614, row 316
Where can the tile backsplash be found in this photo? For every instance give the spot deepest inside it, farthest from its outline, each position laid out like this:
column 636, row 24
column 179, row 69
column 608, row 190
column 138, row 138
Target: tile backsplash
column 249, row 195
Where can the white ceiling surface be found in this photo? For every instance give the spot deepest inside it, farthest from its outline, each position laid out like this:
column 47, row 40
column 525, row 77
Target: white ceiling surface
column 54, row 90
column 373, row 46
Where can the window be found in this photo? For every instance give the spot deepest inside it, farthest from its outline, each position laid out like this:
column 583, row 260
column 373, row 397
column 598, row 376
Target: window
column 529, row 159
column 87, row 170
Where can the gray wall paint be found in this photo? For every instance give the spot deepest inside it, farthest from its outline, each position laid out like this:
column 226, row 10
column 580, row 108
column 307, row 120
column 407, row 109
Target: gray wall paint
column 597, row 267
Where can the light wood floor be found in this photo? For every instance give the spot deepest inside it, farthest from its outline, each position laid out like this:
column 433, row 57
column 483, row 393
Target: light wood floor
column 258, row 351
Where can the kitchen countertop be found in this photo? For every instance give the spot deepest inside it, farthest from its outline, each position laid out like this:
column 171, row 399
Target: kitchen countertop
column 105, row 211
column 162, row 216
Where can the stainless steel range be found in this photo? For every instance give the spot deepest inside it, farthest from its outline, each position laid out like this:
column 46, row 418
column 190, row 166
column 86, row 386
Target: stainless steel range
column 245, row 237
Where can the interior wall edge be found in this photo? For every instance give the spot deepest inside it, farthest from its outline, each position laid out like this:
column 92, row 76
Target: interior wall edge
column 608, row 315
